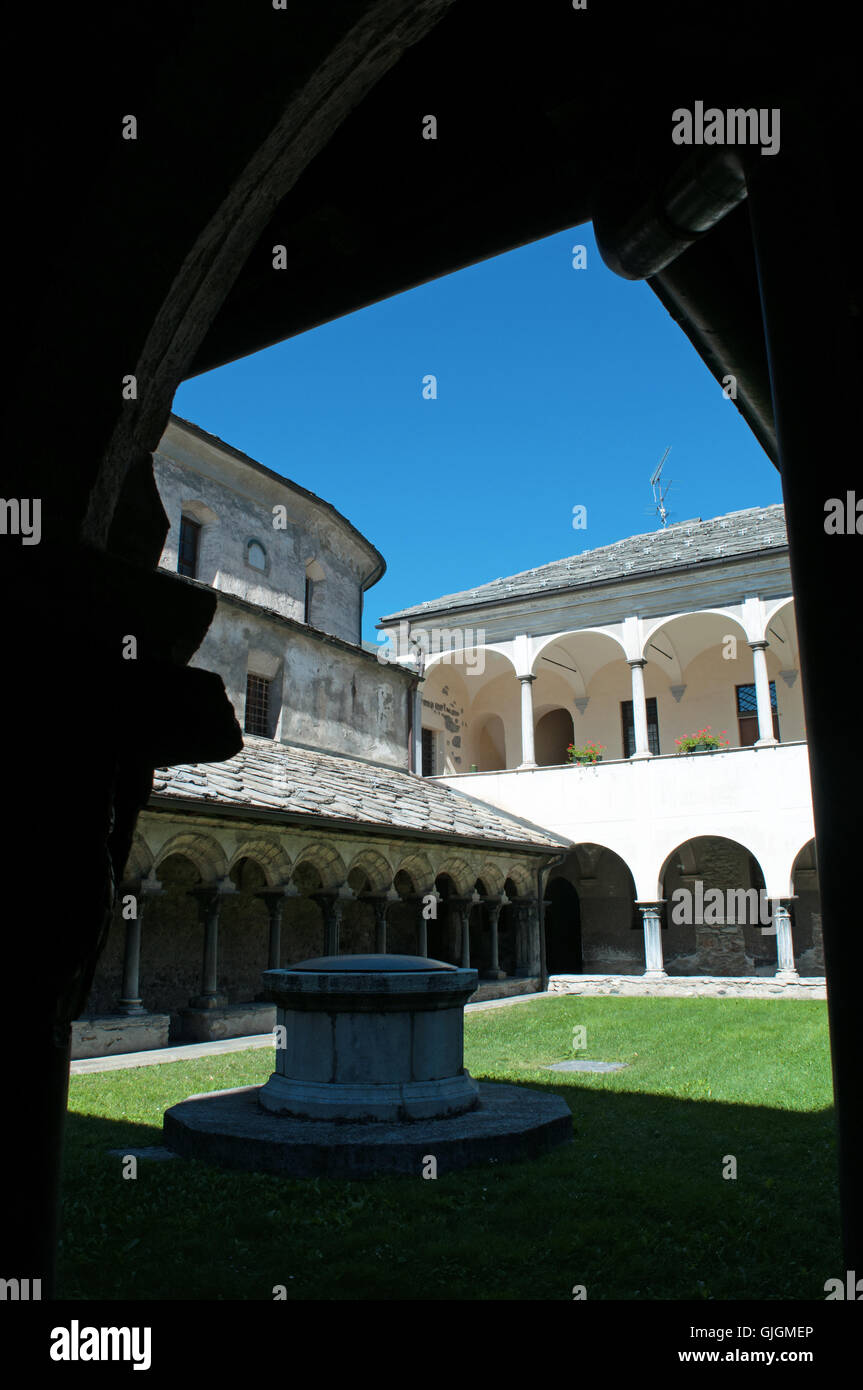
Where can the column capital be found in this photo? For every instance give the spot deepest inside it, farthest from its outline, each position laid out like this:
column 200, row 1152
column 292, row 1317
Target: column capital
column 636, row 661
column 274, row 897
column 759, row 644
column 531, row 676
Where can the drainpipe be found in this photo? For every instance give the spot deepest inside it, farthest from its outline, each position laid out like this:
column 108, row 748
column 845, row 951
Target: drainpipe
column 411, row 743
column 540, row 895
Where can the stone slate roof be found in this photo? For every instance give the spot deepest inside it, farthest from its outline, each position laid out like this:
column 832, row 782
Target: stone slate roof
column 683, row 544
column 302, row 782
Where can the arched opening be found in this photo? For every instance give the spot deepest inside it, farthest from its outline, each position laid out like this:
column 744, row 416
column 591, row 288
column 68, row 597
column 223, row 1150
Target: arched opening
column 554, row 733
column 507, row 930
column 563, row 951
column 171, row 940
column 491, row 744
column 243, row 932
column 806, row 913
column 444, row 931
column 716, row 920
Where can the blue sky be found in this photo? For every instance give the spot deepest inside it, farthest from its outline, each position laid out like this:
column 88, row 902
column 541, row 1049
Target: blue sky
column 556, row 387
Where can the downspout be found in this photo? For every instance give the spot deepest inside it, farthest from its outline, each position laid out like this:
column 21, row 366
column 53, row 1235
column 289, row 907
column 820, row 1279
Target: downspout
column 411, row 744
column 540, row 896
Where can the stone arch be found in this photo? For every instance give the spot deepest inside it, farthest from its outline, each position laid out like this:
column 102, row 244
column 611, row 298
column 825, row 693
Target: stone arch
column 493, row 876
column 202, row 850
column 327, row 861
column 523, row 879
column 601, row 922
column 267, row 852
column 706, row 894
column 376, row 868
column 140, row 861
column 459, row 871
column 418, row 867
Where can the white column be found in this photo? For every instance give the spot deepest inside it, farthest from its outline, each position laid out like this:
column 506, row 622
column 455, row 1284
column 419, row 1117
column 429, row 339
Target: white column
column 639, row 709
column 528, row 755
column 417, row 730
column 785, row 967
column 762, row 693
column 654, row 965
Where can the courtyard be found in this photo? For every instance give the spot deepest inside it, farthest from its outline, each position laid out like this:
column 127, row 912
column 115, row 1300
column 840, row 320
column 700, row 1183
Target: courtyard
column 641, row 1206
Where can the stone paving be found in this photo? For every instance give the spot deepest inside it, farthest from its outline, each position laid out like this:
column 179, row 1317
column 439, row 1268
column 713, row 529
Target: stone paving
column 691, row 986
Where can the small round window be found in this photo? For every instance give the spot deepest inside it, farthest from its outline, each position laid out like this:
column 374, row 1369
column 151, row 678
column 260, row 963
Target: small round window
column 256, row 555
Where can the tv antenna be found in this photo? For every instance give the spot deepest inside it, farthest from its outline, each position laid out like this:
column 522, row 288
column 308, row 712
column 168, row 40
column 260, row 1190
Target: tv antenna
column 660, row 491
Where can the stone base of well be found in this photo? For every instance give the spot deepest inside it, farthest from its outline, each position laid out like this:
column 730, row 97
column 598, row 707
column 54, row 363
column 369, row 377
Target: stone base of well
column 399, row 1100
column 231, row 1130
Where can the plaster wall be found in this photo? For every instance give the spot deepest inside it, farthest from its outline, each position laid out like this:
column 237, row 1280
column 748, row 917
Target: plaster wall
column 644, row 809
column 234, row 503
column 323, row 695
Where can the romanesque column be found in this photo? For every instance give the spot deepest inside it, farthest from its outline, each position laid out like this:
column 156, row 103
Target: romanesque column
column 461, row 907
column 527, row 949
column 494, row 906
column 332, row 904
column 786, row 969
column 209, row 900
column 130, row 1000
column 381, row 906
column 275, row 902
column 528, row 753
column 534, row 958
column 639, row 709
column 654, row 966
column 762, row 693
column 423, row 923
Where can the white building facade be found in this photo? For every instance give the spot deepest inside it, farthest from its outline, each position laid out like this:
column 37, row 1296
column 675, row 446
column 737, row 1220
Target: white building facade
column 686, row 634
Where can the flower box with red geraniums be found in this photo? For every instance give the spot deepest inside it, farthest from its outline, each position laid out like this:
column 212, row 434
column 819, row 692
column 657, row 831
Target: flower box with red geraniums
column 589, row 753
column 704, row 741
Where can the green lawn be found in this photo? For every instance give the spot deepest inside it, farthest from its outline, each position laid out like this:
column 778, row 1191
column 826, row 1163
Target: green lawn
column 636, row 1207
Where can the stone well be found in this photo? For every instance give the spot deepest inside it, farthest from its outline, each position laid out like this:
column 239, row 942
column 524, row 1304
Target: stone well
column 369, row 1079
column 370, row 1038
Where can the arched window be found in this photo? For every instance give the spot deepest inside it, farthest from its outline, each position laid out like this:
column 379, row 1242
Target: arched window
column 256, row 556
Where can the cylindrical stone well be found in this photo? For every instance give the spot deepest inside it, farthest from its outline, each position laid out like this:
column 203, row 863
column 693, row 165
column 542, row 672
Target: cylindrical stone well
column 372, row 1037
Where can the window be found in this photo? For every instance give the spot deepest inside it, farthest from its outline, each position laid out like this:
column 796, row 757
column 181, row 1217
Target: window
column 428, row 753
column 257, row 719
column 629, row 727
column 256, row 555
column 190, row 536
column 307, row 604
column 747, row 714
